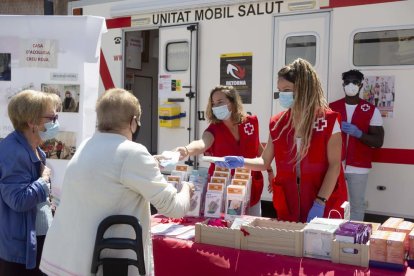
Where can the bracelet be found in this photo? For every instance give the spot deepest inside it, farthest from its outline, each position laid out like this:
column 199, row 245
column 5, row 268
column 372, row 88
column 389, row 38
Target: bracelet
column 324, row 200
column 186, row 151
column 269, row 170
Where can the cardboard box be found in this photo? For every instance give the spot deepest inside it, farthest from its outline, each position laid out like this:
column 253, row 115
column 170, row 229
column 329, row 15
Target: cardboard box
column 350, row 253
column 391, row 224
column 221, row 236
column 317, row 240
column 411, row 243
column 395, row 248
column 378, row 246
column 406, row 227
column 214, row 200
column 272, row 236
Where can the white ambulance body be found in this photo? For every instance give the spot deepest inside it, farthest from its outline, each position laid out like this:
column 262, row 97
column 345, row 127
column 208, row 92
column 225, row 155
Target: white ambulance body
column 174, row 51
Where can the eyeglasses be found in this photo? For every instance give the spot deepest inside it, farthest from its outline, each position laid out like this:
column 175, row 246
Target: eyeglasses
column 355, row 82
column 52, row 118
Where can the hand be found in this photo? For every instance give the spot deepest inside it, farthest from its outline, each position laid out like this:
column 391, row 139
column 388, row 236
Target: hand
column 158, row 159
column 316, row 211
column 231, row 162
column 183, row 152
column 351, row 129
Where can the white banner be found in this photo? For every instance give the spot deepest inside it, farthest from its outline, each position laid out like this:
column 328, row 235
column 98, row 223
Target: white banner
column 55, row 54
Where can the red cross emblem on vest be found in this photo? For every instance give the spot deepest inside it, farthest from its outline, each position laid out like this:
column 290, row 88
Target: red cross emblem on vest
column 248, row 129
column 320, row 124
column 365, row 107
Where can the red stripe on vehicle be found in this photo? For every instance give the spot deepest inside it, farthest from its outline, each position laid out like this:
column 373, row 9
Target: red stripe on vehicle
column 346, row 3
column 105, row 75
column 394, row 156
column 120, row 22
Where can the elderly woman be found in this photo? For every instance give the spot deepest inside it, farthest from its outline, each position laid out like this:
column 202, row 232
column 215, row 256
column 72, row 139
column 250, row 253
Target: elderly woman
column 231, row 132
column 25, row 181
column 108, row 175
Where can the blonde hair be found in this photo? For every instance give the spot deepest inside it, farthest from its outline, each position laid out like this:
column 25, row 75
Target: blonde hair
column 237, row 112
column 29, row 106
column 309, row 102
column 115, row 109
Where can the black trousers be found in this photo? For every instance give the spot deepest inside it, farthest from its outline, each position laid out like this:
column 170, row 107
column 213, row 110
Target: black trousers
column 16, row 269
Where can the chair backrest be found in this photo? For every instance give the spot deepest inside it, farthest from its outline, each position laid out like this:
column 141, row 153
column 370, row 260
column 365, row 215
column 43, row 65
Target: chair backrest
column 118, row 266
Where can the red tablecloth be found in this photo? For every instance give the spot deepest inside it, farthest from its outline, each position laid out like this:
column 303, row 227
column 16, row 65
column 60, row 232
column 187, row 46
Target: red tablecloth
column 185, row 257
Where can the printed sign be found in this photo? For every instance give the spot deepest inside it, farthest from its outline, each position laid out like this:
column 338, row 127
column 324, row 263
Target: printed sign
column 236, row 71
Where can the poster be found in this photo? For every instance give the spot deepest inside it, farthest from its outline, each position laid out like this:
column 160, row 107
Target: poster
column 380, row 91
column 56, row 54
column 236, row 71
column 168, row 87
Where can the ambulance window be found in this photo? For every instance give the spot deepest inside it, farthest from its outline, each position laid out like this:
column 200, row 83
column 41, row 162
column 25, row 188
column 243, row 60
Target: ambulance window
column 303, row 46
column 177, row 56
column 384, row 48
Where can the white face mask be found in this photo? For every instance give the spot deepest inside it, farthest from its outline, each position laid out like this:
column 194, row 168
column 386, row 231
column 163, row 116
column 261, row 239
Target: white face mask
column 221, row 112
column 351, row 89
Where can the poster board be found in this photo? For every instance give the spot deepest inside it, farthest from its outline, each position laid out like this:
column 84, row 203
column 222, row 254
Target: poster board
column 56, row 54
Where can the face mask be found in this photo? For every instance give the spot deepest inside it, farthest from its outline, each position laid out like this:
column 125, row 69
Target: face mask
column 286, row 99
column 52, row 129
column 221, row 112
column 135, row 134
column 351, row 89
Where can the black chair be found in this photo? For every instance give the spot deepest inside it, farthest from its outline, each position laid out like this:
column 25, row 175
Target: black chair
column 118, row 266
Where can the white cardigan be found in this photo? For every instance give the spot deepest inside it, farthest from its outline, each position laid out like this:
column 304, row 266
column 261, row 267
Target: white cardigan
column 108, row 175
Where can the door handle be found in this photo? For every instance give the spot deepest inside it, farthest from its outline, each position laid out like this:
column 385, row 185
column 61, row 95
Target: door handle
column 201, row 116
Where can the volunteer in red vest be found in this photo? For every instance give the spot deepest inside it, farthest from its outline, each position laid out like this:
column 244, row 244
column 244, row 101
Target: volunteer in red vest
column 305, row 141
column 361, row 132
column 231, row 132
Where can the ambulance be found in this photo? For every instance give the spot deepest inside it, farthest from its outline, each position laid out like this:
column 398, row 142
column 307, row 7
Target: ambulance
column 170, row 54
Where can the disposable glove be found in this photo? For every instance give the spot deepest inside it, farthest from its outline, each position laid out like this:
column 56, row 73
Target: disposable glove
column 316, row 211
column 351, row 129
column 231, row 162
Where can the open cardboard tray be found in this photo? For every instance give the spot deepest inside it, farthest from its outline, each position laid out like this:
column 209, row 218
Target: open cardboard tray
column 272, row 236
column 221, row 236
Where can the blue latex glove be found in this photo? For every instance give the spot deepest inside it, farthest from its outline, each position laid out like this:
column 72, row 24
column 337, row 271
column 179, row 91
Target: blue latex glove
column 316, row 211
column 231, row 162
column 351, row 129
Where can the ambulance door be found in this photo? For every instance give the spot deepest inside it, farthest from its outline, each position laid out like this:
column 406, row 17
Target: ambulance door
column 301, row 35
column 177, row 84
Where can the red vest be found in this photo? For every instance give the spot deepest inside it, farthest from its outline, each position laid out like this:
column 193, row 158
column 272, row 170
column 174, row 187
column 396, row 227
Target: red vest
column 291, row 200
column 356, row 153
column 248, row 146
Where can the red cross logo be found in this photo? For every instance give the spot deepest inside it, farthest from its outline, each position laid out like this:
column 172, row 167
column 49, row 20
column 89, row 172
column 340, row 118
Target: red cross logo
column 365, row 107
column 320, row 124
column 248, row 129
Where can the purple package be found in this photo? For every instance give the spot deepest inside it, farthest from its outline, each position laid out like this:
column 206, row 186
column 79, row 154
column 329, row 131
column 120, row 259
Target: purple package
column 345, row 235
column 361, row 231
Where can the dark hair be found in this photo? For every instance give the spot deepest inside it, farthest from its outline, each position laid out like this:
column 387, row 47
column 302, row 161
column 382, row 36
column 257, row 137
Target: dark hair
column 354, row 73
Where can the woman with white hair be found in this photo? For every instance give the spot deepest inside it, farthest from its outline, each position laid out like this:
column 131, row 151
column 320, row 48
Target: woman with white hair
column 109, row 175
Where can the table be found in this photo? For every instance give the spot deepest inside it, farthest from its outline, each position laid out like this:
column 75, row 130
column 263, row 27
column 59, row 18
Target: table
column 185, row 257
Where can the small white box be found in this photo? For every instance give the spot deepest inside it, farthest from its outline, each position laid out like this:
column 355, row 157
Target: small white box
column 214, row 200
column 195, row 204
column 235, row 202
column 317, row 240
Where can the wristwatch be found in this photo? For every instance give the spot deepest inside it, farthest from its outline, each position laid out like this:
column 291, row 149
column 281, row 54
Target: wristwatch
column 324, row 200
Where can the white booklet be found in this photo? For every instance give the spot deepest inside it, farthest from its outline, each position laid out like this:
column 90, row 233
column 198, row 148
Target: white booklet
column 212, row 159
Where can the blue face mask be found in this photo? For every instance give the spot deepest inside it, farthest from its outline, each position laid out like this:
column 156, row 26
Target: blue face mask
column 286, row 99
column 221, row 112
column 52, row 129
